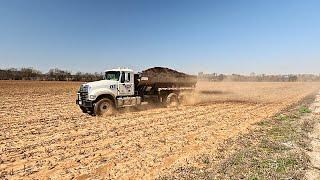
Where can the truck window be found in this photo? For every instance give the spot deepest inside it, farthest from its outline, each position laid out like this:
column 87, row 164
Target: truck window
column 128, row 78
column 112, row 75
column 122, row 77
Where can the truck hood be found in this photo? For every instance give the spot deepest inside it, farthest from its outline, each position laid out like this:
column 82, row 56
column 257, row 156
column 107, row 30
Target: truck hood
column 101, row 84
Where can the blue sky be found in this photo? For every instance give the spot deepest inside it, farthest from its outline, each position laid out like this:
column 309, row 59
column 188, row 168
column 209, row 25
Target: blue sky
column 224, row 36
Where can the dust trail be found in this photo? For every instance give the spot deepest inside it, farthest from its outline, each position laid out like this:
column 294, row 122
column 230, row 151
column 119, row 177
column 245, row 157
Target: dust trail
column 241, row 92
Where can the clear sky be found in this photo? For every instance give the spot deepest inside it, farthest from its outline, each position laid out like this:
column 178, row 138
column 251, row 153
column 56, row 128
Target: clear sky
column 224, row 36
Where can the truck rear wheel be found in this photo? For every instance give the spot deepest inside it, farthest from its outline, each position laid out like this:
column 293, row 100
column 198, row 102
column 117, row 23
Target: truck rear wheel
column 104, row 107
column 172, row 100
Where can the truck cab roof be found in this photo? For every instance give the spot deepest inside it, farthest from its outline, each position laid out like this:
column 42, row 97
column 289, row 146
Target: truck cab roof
column 120, row 69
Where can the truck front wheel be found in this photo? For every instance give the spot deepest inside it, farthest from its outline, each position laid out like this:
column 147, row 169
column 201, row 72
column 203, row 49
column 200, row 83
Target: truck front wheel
column 83, row 109
column 104, row 107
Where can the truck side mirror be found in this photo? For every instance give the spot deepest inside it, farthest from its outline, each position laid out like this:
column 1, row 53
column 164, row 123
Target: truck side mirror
column 122, row 77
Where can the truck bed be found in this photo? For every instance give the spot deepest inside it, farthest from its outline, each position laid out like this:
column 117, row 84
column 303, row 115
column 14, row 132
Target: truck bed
column 165, row 77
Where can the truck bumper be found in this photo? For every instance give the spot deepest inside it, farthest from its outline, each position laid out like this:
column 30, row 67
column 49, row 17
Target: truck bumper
column 84, row 103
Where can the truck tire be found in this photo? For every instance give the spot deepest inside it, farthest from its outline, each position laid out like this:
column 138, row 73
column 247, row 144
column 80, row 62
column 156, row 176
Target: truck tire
column 83, row 109
column 172, row 100
column 90, row 111
column 104, row 107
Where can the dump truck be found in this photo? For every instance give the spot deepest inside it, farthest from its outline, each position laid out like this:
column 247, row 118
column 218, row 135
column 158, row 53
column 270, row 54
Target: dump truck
column 122, row 88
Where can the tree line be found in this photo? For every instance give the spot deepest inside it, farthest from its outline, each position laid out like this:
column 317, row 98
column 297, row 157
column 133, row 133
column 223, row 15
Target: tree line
column 259, row 77
column 57, row 74
column 54, row 74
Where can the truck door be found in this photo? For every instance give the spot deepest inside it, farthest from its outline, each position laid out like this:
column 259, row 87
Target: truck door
column 126, row 86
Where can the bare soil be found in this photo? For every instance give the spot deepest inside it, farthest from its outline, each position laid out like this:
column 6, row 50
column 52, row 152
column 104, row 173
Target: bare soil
column 45, row 135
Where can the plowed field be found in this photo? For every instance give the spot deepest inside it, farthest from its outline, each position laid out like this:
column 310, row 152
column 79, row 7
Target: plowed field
column 43, row 134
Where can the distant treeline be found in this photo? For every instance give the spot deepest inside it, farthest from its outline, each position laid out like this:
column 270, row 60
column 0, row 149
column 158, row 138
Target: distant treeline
column 56, row 74
column 53, row 75
column 260, row 77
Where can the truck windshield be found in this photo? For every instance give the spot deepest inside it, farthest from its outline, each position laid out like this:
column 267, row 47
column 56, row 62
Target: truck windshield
column 112, row 75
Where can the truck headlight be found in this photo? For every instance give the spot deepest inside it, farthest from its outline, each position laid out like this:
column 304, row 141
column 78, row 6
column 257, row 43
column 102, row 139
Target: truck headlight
column 92, row 97
column 89, row 88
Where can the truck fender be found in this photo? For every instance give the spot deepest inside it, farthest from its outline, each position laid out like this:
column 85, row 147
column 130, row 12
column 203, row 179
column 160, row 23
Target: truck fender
column 103, row 92
column 170, row 97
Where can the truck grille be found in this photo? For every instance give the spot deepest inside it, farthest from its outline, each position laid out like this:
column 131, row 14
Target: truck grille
column 83, row 95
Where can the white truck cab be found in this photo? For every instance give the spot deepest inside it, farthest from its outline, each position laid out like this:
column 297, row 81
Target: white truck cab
column 117, row 86
column 116, row 82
